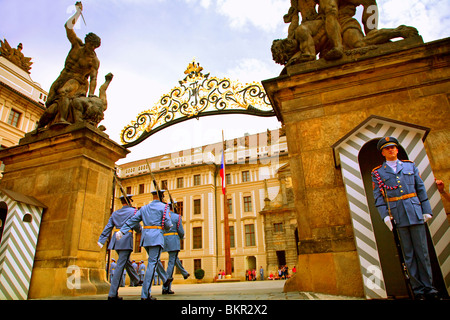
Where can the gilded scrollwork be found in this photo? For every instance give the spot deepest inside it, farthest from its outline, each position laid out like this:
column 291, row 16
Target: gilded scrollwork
column 198, row 95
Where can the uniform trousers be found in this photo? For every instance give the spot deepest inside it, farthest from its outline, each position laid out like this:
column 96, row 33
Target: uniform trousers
column 180, row 267
column 161, row 272
column 173, row 255
column 123, row 262
column 153, row 258
column 415, row 250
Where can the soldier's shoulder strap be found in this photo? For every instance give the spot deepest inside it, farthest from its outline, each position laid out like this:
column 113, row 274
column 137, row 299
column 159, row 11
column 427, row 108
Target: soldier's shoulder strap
column 376, row 168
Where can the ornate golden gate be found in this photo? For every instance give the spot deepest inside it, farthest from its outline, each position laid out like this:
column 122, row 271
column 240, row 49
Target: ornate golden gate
column 197, row 95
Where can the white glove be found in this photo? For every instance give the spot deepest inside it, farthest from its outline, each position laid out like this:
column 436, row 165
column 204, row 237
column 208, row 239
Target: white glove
column 100, row 244
column 426, row 217
column 388, row 222
column 119, row 235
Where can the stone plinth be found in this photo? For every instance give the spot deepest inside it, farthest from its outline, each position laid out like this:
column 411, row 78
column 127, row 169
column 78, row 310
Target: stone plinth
column 319, row 104
column 70, row 171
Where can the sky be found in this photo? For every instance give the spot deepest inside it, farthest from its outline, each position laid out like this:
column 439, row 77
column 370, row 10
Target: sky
column 147, row 45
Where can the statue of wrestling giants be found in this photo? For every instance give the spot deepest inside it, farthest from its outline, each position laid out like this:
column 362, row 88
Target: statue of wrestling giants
column 329, row 30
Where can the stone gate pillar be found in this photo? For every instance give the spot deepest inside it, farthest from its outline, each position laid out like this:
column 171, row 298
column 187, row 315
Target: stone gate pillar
column 319, row 103
column 70, row 170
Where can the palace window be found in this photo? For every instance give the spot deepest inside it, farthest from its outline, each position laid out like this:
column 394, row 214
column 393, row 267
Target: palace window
column 250, row 235
column 197, row 237
column 247, row 204
column 197, row 264
column 180, row 207
column 230, row 206
column 197, row 206
column 180, row 182
column 197, row 180
column 245, row 176
column 228, row 178
column 232, row 245
column 278, row 227
column 14, row 117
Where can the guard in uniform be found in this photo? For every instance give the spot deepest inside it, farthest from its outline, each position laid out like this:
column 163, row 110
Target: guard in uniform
column 141, row 272
column 399, row 181
column 123, row 246
column 156, row 217
column 172, row 246
column 112, row 269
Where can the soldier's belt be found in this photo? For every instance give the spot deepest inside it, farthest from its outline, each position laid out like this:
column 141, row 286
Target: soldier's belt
column 403, row 197
column 152, row 227
column 170, row 234
column 116, row 230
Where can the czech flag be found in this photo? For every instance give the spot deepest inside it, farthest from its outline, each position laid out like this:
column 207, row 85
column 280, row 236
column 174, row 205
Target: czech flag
column 222, row 173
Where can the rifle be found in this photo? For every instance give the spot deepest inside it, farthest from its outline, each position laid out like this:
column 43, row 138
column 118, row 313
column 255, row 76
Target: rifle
column 398, row 245
column 155, row 184
column 122, row 189
column 174, row 205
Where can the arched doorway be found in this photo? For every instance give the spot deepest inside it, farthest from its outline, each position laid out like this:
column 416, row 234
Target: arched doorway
column 251, row 262
column 358, row 191
column 369, row 158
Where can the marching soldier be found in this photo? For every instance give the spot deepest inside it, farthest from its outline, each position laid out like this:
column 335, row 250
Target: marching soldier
column 135, row 267
column 156, row 217
column 400, row 195
column 123, row 246
column 172, row 246
column 141, row 272
column 112, row 268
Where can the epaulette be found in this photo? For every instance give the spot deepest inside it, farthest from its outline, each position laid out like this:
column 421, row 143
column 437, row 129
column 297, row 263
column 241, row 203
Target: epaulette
column 376, row 168
column 407, row 161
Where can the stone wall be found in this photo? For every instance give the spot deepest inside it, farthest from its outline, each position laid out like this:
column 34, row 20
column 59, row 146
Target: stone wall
column 319, row 104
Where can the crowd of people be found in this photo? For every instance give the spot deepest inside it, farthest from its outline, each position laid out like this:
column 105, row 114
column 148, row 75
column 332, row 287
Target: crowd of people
column 282, row 273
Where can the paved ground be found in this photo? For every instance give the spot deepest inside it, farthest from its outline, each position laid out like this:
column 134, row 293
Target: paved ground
column 228, row 300
column 244, row 290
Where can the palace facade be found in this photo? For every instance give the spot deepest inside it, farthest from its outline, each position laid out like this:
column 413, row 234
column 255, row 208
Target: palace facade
column 22, row 102
column 253, row 185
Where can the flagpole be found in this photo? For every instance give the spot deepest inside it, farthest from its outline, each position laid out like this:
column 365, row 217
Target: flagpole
column 225, row 215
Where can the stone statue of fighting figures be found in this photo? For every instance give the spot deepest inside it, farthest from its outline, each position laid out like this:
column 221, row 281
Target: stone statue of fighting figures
column 328, row 29
column 71, row 97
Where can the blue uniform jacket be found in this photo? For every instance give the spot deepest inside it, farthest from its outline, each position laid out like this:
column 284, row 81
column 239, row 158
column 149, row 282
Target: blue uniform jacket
column 174, row 234
column 408, row 211
column 151, row 215
column 116, row 220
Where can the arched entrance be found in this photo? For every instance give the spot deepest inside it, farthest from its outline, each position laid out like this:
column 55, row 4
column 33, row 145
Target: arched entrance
column 369, row 158
column 355, row 156
column 198, row 95
column 251, row 262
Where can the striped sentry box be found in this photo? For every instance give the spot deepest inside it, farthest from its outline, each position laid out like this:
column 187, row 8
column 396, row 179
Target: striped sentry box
column 346, row 153
column 18, row 243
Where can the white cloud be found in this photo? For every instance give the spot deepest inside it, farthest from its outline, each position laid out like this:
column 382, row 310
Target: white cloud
column 203, row 3
column 264, row 14
column 249, row 70
column 430, row 17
